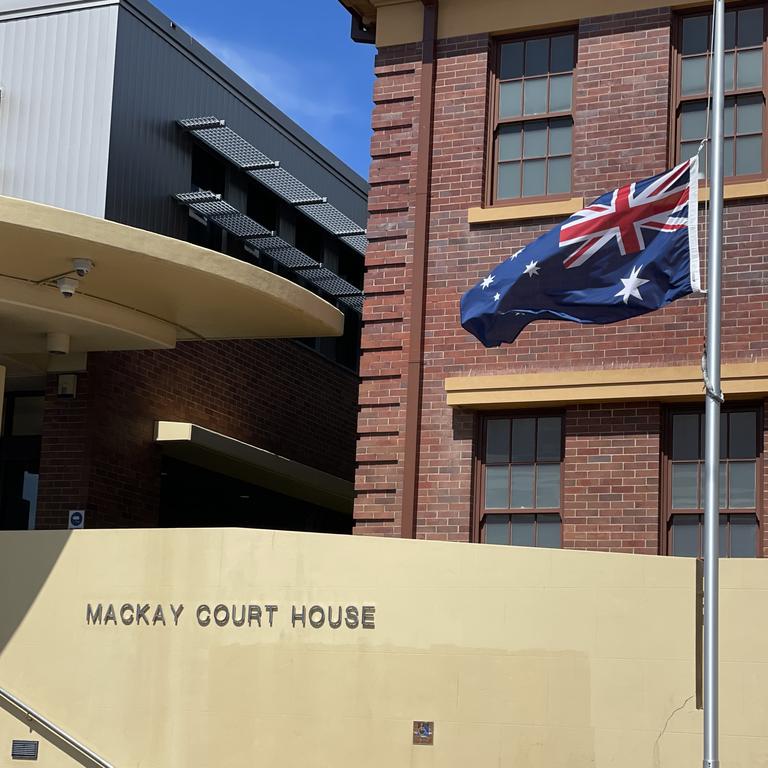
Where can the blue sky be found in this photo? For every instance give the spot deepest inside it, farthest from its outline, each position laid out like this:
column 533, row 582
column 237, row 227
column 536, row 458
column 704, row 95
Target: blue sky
column 299, row 55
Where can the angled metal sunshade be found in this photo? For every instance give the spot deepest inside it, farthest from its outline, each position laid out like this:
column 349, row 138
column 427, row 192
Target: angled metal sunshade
column 211, row 207
column 213, row 132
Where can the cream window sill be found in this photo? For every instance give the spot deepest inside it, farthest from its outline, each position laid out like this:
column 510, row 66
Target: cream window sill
column 740, row 380
column 525, row 211
column 738, row 190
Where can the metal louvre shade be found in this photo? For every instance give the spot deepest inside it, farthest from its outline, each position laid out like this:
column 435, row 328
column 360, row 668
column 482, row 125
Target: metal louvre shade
column 332, row 219
column 358, row 242
column 201, row 196
column 240, row 225
column 283, row 252
column 213, row 208
column 285, row 185
column 330, row 282
column 197, row 123
column 234, row 147
column 355, row 303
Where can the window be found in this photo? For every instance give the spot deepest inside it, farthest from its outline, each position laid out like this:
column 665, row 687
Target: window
column 532, row 125
column 744, row 89
column 740, row 468
column 520, row 477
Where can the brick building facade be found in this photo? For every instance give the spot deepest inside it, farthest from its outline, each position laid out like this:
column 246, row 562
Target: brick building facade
column 616, row 461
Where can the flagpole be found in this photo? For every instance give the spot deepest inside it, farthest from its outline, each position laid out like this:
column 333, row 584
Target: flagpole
column 713, row 400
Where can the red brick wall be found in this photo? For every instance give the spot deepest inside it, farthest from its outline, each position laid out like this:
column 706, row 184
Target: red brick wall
column 97, row 450
column 621, row 116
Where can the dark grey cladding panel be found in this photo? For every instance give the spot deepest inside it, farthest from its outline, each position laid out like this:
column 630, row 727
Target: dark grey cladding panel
column 331, row 218
column 287, row 186
column 159, row 80
column 358, row 242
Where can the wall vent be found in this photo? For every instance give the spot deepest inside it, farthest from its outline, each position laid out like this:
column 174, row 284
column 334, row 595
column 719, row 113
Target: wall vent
column 22, row 749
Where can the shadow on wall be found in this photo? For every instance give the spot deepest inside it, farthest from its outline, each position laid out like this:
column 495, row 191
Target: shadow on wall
column 24, row 569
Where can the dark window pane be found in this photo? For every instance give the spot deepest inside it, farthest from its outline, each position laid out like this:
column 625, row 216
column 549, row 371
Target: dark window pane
column 723, row 536
column 684, row 486
column 693, row 78
column 750, row 25
column 548, row 486
column 560, row 140
column 685, row 436
column 695, row 34
column 728, row 115
column 728, row 160
column 559, row 175
column 730, row 29
column 509, row 99
column 742, row 485
column 522, row 530
column 750, row 114
column 27, row 415
column 497, row 441
column 743, row 433
column 729, row 65
column 535, row 96
column 685, row 535
column 509, row 180
column 535, row 139
column 687, row 151
column 511, row 61
column 548, row 531
column 536, row 56
column 510, row 142
column 749, row 150
column 522, row 486
column 560, row 93
column 749, row 69
column 549, row 444
column 523, row 439
column 533, row 178
column 743, row 536
column 562, row 54
column 497, row 487
column 693, row 120
column 496, row 529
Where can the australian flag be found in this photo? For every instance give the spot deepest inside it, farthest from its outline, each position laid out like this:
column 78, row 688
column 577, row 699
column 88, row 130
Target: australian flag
column 631, row 251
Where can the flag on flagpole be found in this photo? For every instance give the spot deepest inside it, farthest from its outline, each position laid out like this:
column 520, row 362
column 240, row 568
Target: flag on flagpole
column 633, row 250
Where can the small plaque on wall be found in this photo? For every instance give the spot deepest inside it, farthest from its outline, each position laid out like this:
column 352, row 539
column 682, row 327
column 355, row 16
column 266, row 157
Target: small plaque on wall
column 423, row 732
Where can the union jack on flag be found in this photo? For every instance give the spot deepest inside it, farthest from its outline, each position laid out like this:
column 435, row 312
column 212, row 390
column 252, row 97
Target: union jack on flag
column 631, row 251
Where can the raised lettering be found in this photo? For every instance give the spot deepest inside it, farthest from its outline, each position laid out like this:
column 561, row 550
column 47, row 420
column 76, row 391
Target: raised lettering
column 110, row 615
column 221, row 614
column 126, row 614
column 141, row 613
column 159, row 616
column 254, row 614
column 369, row 612
column 176, row 613
column 238, row 622
column 300, row 616
column 351, row 619
column 91, row 616
column 319, row 614
column 331, row 623
column 271, row 609
column 203, row 622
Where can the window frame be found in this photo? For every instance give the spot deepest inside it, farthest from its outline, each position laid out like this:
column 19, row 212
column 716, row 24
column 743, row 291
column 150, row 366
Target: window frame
column 478, row 475
column 491, row 200
column 677, row 99
column 665, row 495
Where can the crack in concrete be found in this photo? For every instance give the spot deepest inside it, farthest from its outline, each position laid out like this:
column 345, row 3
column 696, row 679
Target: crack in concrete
column 656, row 756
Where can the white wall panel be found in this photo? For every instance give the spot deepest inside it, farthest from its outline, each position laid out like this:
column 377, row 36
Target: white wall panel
column 56, row 75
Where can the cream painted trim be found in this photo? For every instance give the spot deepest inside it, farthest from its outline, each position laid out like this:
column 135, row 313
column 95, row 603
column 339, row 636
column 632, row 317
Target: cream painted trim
column 524, row 211
column 739, row 190
column 232, row 457
column 559, row 387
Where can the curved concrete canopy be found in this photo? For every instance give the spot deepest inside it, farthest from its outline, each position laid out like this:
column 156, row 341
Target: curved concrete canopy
column 145, row 291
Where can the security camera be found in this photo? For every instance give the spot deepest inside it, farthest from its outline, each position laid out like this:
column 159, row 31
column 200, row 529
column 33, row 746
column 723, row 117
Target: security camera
column 82, row 266
column 67, row 286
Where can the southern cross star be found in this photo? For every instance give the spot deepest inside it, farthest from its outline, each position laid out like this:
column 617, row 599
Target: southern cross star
column 531, row 269
column 632, row 285
column 515, row 255
column 496, row 296
column 487, row 281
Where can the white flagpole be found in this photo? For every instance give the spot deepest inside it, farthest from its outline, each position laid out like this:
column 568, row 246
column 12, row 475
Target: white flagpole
column 713, row 399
